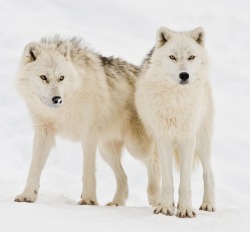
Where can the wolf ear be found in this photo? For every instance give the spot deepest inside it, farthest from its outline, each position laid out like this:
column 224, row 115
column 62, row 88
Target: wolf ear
column 162, row 36
column 64, row 49
column 198, row 35
column 31, row 52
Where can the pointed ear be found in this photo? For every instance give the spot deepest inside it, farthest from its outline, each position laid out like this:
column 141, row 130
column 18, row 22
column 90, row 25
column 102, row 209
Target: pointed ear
column 31, row 52
column 198, row 35
column 162, row 36
column 64, row 49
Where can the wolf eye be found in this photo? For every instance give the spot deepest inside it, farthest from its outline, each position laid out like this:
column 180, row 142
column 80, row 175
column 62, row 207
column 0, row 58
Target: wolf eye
column 61, row 78
column 172, row 57
column 191, row 57
column 43, row 77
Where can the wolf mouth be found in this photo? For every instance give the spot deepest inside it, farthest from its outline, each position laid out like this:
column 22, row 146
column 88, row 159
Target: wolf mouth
column 184, row 82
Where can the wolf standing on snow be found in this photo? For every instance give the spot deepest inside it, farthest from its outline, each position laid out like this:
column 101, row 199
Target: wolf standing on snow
column 76, row 93
column 174, row 101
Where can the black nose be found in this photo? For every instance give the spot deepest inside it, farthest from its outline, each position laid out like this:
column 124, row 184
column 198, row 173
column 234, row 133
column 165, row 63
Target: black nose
column 184, row 76
column 57, row 100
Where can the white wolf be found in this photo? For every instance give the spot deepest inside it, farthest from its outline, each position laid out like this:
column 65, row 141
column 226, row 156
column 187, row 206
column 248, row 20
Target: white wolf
column 76, row 93
column 174, row 101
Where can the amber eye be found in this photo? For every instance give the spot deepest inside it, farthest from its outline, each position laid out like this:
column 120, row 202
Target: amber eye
column 61, row 78
column 191, row 57
column 43, row 77
column 172, row 57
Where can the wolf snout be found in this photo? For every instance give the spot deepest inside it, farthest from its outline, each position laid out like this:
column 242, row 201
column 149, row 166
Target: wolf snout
column 184, row 76
column 57, row 100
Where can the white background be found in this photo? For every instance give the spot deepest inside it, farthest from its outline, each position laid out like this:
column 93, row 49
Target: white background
column 125, row 29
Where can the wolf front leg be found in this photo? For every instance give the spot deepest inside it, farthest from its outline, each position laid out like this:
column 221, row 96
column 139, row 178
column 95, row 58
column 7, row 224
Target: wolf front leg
column 88, row 196
column 44, row 140
column 165, row 151
column 203, row 150
column 186, row 152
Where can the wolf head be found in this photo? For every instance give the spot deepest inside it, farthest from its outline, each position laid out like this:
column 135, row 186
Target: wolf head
column 47, row 74
column 180, row 57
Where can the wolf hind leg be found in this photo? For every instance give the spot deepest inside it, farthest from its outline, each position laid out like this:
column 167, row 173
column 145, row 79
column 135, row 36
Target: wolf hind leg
column 111, row 153
column 153, row 172
column 143, row 148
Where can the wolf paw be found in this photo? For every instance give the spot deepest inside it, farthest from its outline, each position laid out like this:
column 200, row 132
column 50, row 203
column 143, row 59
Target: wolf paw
column 166, row 210
column 115, row 203
column 87, row 201
column 185, row 213
column 210, row 207
column 28, row 197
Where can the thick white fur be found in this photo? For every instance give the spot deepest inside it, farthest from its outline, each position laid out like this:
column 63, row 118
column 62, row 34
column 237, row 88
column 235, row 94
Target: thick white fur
column 179, row 116
column 95, row 111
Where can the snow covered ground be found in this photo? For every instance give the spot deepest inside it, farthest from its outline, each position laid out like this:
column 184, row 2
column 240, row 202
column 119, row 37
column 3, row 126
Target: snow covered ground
column 126, row 29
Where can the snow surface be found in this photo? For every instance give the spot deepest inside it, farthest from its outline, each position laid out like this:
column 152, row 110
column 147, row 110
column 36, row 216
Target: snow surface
column 125, row 29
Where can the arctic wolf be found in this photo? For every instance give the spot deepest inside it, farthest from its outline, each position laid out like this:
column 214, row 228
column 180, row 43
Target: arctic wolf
column 174, row 101
column 78, row 94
